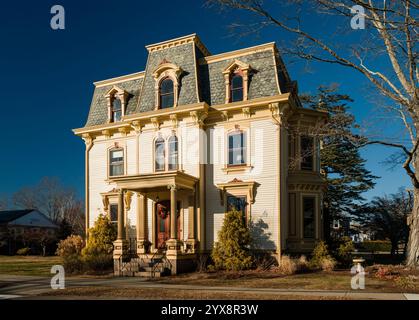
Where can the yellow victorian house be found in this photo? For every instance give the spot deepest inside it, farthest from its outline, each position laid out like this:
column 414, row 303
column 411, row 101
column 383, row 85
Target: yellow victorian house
column 170, row 149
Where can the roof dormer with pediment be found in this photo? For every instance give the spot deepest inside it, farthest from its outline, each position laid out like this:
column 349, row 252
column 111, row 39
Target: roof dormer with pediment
column 197, row 77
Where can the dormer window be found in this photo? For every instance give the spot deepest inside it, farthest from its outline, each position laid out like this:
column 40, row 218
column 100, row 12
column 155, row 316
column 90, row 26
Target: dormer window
column 117, row 100
column 236, row 88
column 116, row 109
column 236, row 77
column 167, row 83
column 166, row 93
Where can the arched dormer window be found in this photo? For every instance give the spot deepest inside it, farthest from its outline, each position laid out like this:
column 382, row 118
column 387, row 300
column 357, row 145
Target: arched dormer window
column 167, row 83
column 117, row 99
column 236, row 88
column 166, row 92
column 173, row 152
column 236, row 77
column 159, row 154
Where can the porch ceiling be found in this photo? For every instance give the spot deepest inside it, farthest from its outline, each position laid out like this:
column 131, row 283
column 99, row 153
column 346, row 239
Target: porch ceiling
column 155, row 181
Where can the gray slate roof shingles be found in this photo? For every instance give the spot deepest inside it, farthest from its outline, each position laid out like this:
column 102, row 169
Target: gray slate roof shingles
column 211, row 85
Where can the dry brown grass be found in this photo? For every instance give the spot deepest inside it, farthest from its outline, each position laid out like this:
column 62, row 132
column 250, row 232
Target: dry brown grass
column 176, row 294
column 334, row 280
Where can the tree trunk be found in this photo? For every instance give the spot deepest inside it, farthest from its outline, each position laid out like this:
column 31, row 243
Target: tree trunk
column 413, row 222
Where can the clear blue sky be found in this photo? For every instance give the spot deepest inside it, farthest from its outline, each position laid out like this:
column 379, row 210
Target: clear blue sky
column 46, row 77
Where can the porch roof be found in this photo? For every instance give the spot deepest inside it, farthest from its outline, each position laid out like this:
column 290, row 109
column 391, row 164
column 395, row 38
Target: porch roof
column 155, row 181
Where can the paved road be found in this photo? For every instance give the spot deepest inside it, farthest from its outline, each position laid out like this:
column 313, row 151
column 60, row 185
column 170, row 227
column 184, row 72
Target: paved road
column 25, row 287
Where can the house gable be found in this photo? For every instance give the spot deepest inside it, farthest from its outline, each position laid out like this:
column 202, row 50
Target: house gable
column 33, row 219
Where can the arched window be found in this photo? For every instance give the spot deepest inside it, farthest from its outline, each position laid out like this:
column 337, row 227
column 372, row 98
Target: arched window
column 116, row 109
column 159, row 154
column 173, row 152
column 116, row 162
column 236, row 148
column 236, row 88
column 166, row 93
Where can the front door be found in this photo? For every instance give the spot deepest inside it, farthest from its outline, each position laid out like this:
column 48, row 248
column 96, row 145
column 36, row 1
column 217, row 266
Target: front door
column 163, row 222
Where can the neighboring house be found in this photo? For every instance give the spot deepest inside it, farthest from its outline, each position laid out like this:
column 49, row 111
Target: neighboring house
column 170, row 149
column 345, row 227
column 20, row 228
column 359, row 233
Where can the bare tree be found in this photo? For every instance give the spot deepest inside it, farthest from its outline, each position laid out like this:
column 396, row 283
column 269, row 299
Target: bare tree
column 386, row 56
column 53, row 199
column 3, row 203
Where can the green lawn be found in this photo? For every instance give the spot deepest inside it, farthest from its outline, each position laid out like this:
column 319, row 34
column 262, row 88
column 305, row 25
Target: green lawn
column 28, row 265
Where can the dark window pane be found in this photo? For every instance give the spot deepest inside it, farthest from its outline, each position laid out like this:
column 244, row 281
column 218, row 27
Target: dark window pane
column 236, row 88
column 166, row 94
column 309, row 217
column 236, row 82
column 113, row 212
column 237, row 203
column 166, row 86
column 236, row 95
column 166, row 101
column 306, row 153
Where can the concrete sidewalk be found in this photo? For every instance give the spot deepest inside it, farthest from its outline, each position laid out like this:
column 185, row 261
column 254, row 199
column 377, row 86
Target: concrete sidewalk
column 26, row 287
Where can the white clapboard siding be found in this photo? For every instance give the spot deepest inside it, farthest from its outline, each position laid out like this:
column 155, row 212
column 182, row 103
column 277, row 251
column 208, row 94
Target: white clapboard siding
column 264, row 159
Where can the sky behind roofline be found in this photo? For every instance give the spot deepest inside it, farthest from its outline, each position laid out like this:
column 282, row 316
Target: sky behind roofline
column 47, row 78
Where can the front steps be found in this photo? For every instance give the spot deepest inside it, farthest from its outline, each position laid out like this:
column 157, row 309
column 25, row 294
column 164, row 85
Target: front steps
column 149, row 267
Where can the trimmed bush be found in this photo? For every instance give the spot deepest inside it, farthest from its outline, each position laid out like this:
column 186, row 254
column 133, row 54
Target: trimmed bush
column 321, row 259
column 70, row 250
column 97, row 255
column 231, row 252
column 344, row 252
column 376, row 245
column 23, row 251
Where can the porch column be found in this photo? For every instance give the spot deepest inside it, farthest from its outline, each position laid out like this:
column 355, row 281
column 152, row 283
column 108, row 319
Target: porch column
column 191, row 217
column 173, row 212
column 192, row 243
column 142, row 242
column 121, row 227
column 120, row 245
column 173, row 244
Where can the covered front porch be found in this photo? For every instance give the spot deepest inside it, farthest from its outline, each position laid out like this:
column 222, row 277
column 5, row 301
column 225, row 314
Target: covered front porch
column 169, row 193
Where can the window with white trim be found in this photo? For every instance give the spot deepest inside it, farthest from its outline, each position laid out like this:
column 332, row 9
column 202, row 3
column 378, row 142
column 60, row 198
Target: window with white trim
column 237, row 148
column 173, row 152
column 159, row 154
column 116, row 162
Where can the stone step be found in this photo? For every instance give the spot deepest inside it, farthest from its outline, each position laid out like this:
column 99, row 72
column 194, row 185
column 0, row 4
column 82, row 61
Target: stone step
column 151, row 268
column 149, row 274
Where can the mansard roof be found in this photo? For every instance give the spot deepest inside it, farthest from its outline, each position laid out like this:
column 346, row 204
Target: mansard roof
column 200, row 73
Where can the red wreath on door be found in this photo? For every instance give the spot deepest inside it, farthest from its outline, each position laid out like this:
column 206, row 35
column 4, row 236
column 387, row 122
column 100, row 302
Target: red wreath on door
column 162, row 212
